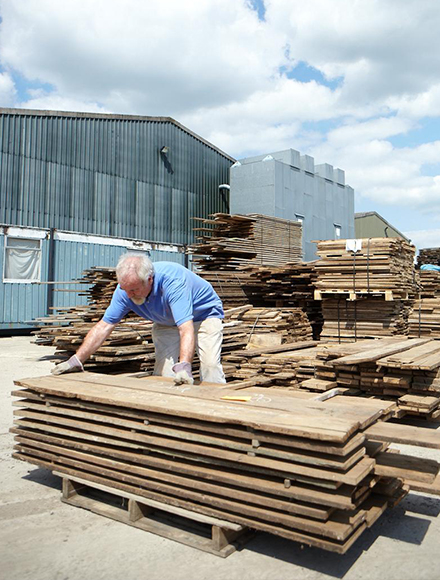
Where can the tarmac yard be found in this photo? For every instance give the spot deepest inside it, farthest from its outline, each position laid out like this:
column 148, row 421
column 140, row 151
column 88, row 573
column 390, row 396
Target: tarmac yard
column 42, row 538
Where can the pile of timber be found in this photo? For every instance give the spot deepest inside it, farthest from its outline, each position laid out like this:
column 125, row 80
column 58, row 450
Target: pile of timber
column 379, row 266
column 365, row 317
column 277, row 365
column 229, row 241
column 425, row 316
column 287, row 285
column 429, row 256
column 366, row 293
column 401, row 368
column 314, row 471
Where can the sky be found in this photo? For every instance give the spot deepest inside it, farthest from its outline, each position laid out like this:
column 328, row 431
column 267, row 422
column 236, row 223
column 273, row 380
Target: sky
column 353, row 83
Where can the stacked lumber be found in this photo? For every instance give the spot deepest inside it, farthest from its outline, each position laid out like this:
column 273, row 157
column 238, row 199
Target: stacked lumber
column 365, row 317
column 377, row 279
column 287, row 285
column 429, row 256
column 381, row 265
column 278, row 365
column 230, row 285
column 230, row 241
column 286, row 464
column 407, row 370
column 424, row 319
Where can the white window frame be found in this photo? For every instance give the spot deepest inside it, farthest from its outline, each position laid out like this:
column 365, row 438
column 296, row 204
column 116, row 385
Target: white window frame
column 6, row 248
column 337, row 231
column 299, row 218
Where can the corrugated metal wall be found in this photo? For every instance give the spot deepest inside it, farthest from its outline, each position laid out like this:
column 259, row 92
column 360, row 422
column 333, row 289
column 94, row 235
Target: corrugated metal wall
column 106, row 175
column 20, row 303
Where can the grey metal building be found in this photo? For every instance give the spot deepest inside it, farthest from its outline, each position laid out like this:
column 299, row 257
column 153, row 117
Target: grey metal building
column 129, row 178
column 289, row 185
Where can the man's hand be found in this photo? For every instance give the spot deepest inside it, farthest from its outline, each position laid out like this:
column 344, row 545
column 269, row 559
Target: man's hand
column 73, row 365
column 183, row 374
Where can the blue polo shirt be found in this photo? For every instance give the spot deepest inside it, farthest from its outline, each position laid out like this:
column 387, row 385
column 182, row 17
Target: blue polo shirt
column 177, row 295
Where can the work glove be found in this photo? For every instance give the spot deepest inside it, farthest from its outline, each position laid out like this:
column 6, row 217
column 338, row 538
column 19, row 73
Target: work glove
column 183, row 374
column 73, row 365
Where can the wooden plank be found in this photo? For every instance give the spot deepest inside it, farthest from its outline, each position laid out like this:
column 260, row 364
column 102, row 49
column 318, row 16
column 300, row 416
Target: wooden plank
column 378, row 352
column 396, row 433
column 406, row 467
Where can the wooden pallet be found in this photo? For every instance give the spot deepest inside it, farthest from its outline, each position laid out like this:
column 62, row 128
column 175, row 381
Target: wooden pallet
column 205, row 533
column 389, row 295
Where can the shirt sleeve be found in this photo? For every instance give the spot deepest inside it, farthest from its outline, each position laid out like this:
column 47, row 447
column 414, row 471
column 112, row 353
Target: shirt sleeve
column 178, row 296
column 117, row 309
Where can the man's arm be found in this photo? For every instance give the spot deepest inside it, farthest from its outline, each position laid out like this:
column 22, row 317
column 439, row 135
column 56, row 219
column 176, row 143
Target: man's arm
column 186, row 354
column 187, row 341
column 94, row 339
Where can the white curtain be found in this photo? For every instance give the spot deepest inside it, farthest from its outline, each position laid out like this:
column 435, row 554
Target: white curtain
column 22, row 259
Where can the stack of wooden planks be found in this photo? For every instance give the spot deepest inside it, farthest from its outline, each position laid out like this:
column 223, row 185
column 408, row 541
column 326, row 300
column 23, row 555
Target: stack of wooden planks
column 407, row 370
column 284, row 463
column 366, row 287
column 429, row 256
column 365, row 317
column 425, row 316
column 278, row 365
column 230, row 241
column 379, row 266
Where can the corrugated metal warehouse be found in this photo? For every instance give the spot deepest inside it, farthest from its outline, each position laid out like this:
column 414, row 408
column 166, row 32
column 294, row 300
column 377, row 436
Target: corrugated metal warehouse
column 127, row 177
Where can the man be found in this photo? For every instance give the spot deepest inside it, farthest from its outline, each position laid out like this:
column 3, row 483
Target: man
column 186, row 312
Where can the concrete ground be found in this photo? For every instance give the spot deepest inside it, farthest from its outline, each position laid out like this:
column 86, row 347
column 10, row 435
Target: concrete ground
column 44, row 539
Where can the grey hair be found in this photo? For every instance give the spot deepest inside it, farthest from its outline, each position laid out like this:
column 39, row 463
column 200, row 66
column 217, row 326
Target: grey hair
column 134, row 263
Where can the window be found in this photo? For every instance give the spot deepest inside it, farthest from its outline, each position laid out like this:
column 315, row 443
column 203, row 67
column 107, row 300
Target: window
column 299, row 218
column 22, row 260
column 337, row 232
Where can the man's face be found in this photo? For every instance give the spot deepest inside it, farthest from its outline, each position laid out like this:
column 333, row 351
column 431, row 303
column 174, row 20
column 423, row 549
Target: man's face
column 137, row 290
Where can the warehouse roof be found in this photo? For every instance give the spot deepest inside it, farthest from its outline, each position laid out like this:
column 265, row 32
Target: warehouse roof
column 113, row 117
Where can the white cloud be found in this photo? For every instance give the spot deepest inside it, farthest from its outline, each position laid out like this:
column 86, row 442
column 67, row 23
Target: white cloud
column 424, row 238
column 144, row 56
column 7, row 90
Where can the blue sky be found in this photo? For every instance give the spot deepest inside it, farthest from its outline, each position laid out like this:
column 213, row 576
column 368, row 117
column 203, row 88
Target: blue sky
column 353, row 84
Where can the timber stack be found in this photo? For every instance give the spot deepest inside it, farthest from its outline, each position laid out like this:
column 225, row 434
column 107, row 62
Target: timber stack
column 425, row 316
column 429, row 256
column 318, row 472
column 401, row 368
column 229, row 244
column 367, row 287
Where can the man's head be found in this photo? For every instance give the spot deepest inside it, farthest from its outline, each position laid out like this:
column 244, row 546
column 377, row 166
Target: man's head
column 135, row 274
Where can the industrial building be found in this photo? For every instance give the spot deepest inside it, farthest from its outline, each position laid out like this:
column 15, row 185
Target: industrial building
column 289, row 185
column 370, row 224
column 78, row 189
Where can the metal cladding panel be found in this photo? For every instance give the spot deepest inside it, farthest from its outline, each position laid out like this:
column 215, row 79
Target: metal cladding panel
column 20, row 303
column 91, row 175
